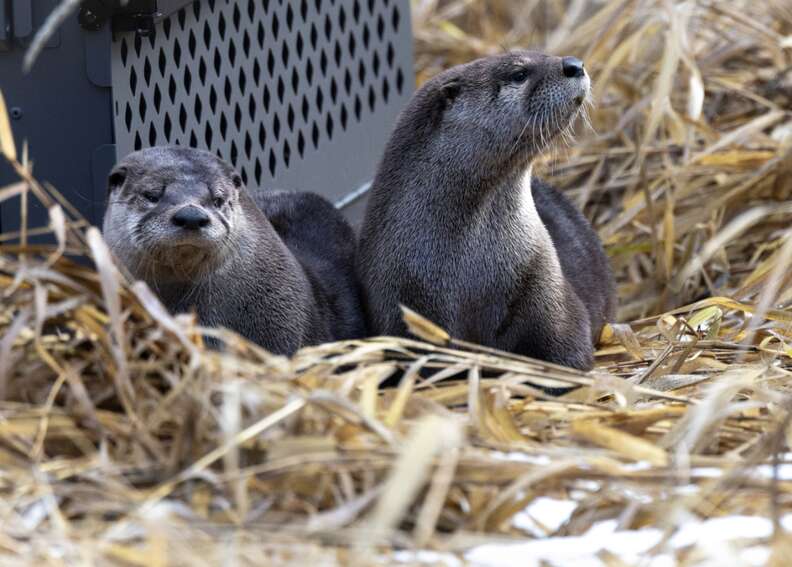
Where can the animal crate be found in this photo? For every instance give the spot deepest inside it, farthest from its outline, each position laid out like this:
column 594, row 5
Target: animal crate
column 296, row 94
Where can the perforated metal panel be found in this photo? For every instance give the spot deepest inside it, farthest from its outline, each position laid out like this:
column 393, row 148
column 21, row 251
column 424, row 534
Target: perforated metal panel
column 298, row 95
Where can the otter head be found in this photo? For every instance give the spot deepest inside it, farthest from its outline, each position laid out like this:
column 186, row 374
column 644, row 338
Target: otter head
column 173, row 214
column 506, row 107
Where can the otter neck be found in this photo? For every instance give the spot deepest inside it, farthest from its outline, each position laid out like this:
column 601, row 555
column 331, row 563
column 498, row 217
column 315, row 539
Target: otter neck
column 514, row 212
column 506, row 210
column 517, row 201
column 498, row 202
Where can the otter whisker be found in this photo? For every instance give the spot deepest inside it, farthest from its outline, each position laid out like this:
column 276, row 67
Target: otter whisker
column 544, row 136
column 224, row 222
column 554, row 127
column 567, row 133
column 555, row 116
column 588, row 105
column 519, row 137
column 150, row 277
column 195, row 285
column 534, row 123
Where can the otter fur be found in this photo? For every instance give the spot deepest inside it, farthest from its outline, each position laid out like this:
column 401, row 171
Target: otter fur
column 182, row 220
column 458, row 229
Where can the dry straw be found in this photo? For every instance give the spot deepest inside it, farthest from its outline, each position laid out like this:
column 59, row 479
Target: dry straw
column 124, row 441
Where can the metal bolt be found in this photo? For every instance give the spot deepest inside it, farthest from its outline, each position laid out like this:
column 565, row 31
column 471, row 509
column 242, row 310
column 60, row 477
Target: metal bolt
column 90, row 19
column 16, row 113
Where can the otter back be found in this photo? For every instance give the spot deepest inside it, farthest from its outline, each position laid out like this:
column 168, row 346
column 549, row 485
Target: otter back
column 324, row 243
column 583, row 261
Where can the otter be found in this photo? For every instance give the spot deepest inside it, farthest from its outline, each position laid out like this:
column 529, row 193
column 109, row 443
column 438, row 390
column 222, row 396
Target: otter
column 458, row 229
column 183, row 221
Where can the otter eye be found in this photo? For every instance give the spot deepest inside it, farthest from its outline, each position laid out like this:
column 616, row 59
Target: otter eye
column 151, row 196
column 219, row 202
column 519, row 75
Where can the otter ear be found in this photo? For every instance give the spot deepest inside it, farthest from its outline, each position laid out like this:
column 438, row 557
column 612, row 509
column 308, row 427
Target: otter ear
column 451, row 90
column 116, row 179
column 448, row 92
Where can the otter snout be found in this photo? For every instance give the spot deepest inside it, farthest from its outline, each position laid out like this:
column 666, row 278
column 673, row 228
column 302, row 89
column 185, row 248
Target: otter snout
column 191, row 218
column 572, row 67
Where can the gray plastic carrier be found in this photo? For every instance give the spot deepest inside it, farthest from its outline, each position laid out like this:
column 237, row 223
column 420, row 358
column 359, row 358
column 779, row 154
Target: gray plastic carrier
column 297, row 95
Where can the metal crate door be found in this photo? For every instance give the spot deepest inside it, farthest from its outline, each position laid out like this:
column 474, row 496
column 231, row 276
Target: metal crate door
column 297, row 95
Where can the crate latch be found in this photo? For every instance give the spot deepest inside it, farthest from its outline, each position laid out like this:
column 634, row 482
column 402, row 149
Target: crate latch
column 136, row 16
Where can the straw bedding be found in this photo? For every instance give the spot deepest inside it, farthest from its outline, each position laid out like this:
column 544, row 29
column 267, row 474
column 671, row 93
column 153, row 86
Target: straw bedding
column 124, row 441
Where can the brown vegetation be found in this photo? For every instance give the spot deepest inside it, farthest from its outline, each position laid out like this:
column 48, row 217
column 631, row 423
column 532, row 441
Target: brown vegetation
column 124, row 441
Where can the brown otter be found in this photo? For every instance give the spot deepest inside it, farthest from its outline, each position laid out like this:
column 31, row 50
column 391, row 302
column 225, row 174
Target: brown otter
column 458, row 230
column 182, row 220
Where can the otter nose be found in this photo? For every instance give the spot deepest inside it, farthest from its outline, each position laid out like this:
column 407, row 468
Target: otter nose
column 573, row 67
column 190, row 218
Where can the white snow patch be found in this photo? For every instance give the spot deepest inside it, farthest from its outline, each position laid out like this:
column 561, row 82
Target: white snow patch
column 427, row 558
column 722, row 529
column 521, row 457
column 717, row 538
column 637, row 466
column 569, row 551
column 551, row 513
column 766, row 471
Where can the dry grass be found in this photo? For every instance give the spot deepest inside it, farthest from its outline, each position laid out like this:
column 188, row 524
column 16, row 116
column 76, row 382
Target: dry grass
column 124, row 441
